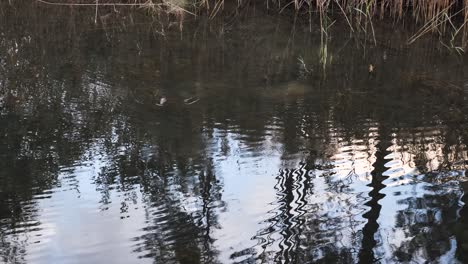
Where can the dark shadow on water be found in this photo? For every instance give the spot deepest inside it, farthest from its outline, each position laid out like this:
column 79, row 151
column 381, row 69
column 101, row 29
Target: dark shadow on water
column 366, row 254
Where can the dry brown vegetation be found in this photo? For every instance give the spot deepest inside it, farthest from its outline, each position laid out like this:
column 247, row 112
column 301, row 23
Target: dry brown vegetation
column 447, row 18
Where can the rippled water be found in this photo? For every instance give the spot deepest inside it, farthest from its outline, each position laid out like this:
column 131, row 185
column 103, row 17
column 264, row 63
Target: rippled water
column 265, row 151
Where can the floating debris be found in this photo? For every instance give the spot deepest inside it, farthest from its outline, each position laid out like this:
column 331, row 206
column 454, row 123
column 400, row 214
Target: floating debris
column 191, row 100
column 162, row 101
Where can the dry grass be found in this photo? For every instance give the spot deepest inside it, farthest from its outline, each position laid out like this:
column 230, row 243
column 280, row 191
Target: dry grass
column 439, row 16
column 434, row 15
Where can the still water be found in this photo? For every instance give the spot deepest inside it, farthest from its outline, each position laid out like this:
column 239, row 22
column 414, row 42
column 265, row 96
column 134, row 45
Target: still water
column 272, row 146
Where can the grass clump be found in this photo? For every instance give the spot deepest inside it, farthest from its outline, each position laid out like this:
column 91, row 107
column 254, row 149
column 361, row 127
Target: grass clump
column 443, row 17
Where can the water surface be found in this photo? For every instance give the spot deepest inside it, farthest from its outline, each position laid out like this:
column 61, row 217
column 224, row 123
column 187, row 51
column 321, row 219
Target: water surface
column 272, row 147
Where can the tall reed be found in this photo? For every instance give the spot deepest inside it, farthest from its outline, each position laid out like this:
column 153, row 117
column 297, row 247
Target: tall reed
column 433, row 15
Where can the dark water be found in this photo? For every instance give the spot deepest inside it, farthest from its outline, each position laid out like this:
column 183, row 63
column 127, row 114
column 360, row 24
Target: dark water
column 271, row 147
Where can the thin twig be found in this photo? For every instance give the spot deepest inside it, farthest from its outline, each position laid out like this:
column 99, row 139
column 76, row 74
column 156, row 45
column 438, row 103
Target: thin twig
column 346, row 17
